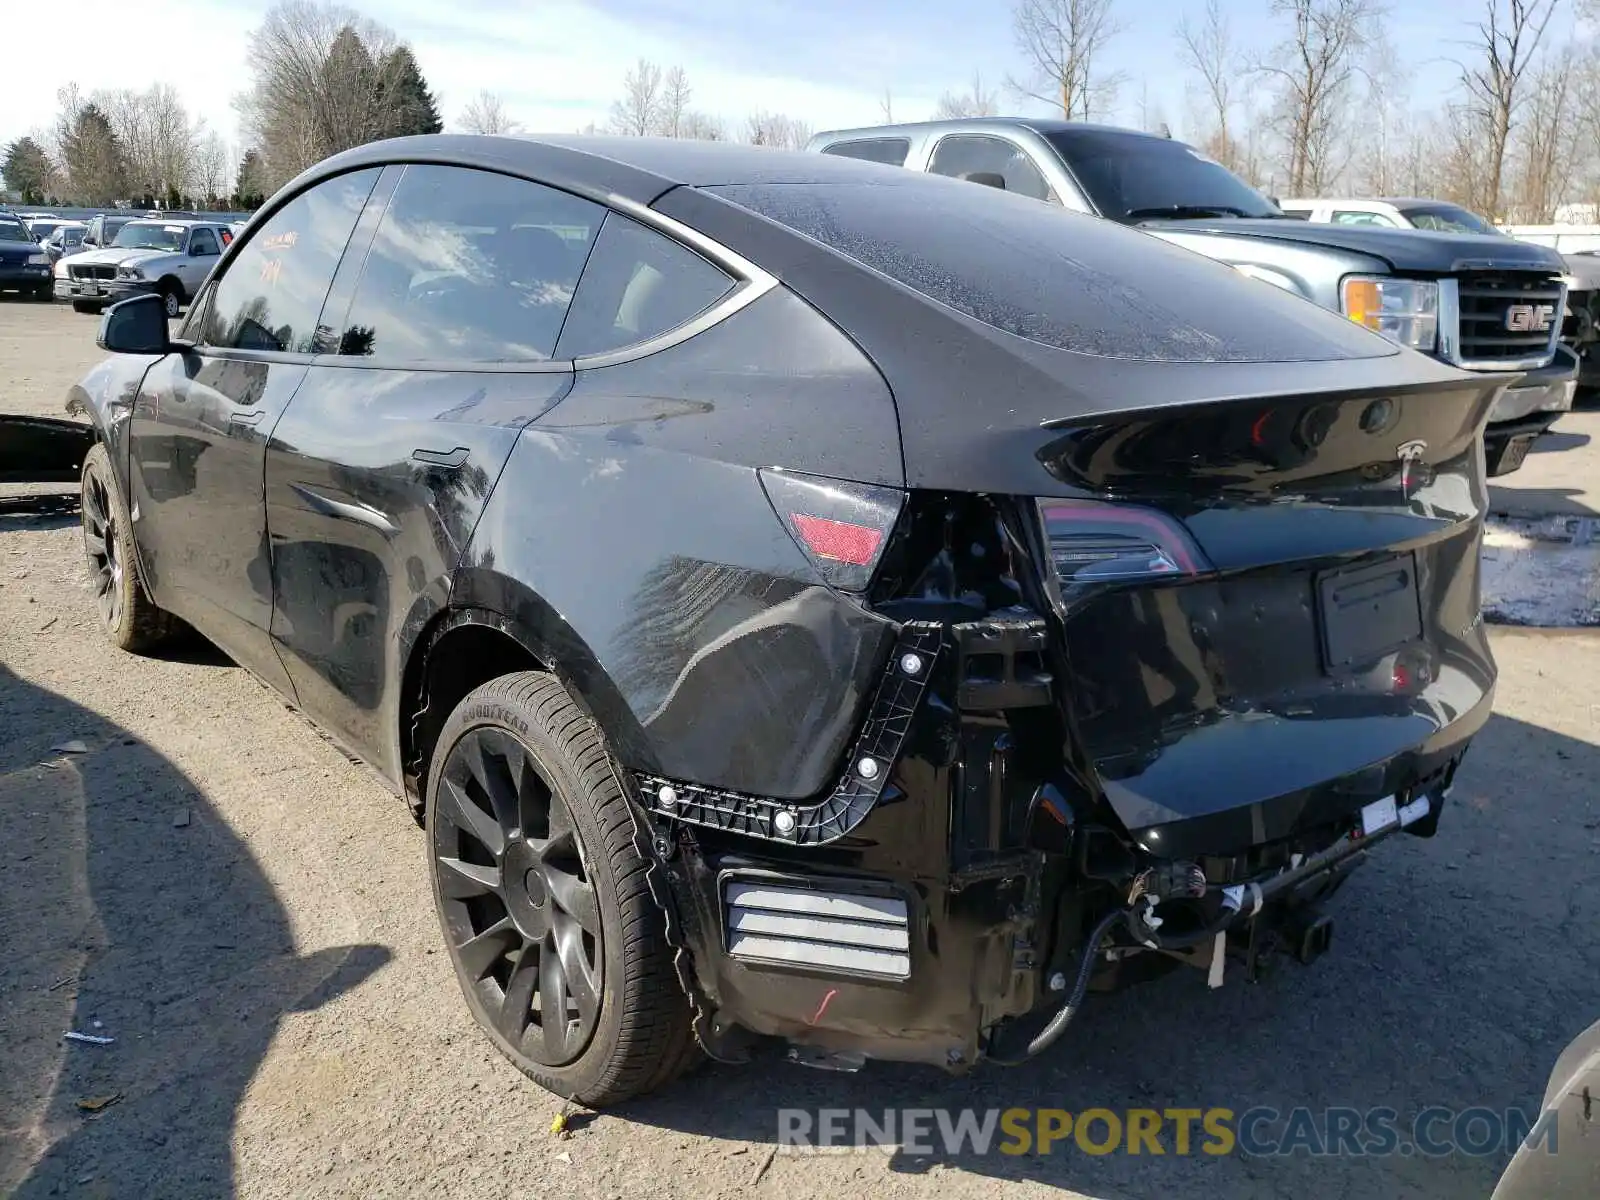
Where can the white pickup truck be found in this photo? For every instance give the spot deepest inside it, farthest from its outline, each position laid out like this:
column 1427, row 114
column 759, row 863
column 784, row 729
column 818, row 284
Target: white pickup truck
column 169, row 258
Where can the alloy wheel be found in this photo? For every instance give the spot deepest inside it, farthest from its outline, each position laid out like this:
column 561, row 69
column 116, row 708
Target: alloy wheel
column 100, row 545
column 520, row 911
column 171, row 303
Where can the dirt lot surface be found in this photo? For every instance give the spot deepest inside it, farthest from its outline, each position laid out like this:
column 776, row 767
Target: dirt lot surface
column 246, row 912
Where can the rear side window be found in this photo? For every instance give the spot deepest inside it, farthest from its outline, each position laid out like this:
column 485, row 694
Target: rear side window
column 889, row 151
column 470, row 266
column 203, row 241
column 638, row 285
column 992, row 161
column 271, row 294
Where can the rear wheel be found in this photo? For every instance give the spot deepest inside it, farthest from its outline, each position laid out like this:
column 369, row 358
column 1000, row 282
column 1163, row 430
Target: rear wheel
column 128, row 617
column 539, row 879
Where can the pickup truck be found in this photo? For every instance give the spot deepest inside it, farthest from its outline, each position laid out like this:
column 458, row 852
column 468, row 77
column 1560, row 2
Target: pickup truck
column 1482, row 303
column 168, row 258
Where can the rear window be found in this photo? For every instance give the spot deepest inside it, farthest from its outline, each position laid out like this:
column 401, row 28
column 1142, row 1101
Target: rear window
column 1061, row 279
column 889, row 151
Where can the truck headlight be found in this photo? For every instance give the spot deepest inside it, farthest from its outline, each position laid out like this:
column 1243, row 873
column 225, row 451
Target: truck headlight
column 38, row 260
column 1403, row 310
column 128, row 273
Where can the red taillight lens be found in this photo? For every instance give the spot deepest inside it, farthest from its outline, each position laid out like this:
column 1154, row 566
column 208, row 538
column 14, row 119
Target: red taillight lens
column 843, row 527
column 1092, row 541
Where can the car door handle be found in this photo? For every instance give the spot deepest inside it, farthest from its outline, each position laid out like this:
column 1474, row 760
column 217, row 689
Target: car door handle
column 454, row 459
column 246, row 418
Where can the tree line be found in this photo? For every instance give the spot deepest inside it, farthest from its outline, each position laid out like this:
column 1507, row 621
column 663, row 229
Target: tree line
column 1326, row 108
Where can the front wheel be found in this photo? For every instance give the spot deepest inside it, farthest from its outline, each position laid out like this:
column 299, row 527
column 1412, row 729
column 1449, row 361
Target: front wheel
column 128, row 617
column 539, row 879
column 85, row 306
column 171, row 298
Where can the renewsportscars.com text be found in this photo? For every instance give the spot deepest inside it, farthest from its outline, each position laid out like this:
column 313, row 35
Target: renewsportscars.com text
column 1261, row 1131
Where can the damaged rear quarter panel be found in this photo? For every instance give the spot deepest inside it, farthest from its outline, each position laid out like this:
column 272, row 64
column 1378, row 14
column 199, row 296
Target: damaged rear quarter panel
column 668, row 592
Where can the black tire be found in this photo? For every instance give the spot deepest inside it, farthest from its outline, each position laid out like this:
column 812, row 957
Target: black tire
column 523, row 731
column 128, row 617
column 172, row 297
column 85, row 306
column 44, row 291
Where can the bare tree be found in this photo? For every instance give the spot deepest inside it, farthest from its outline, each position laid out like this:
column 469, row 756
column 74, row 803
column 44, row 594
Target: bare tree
column 157, row 136
column 210, row 168
column 886, row 107
column 1208, row 50
column 1313, row 70
column 639, row 110
column 776, row 129
column 1548, row 142
column 974, row 103
column 486, row 113
column 674, row 108
column 1494, row 84
column 1060, row 40
column 702, row 127
column 321, row 83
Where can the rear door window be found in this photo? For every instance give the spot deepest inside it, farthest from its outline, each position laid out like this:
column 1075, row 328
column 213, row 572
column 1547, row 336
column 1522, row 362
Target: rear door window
column 889, row 151
column 993, row 161
column 470, row 266
column 271, row 294
column 638, row 285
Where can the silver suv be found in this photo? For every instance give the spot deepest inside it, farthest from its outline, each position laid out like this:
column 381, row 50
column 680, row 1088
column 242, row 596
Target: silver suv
column 169, row 258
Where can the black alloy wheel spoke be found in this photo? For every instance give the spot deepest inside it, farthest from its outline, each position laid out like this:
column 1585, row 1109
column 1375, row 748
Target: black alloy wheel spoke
column 575, row 897
column 576, row 971
column 553, row 1020
column 481, row 952
column 457, row 807
column 516, row 1006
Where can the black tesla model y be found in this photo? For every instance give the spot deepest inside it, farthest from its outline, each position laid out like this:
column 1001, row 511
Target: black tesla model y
column 810, row 604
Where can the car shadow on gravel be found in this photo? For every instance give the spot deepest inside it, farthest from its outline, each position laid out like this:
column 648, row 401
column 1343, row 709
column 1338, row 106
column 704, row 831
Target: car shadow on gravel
column 129, row 910
column 1460, row 967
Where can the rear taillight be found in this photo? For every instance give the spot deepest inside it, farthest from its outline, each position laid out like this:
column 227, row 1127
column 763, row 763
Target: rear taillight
column 843, row 527
column 1092, row 541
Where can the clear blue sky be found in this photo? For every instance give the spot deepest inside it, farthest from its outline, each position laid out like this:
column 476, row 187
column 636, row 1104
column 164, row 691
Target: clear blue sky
column 559, row 63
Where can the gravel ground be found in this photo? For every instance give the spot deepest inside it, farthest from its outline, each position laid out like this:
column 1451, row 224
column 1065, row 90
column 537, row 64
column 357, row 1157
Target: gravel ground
column 246, row 912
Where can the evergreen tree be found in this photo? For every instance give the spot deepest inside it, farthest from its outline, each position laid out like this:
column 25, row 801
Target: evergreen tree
column 97, row 167
column 27, row 170
column 409, row 106
column 249, row 189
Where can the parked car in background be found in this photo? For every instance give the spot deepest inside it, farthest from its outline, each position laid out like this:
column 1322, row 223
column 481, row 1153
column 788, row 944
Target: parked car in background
column 1483, row 303
column 43, row 227
column 65, row 239
column 1440, row 216
column 103, row 228
column 168, row 258
column 24, row 265
column 981, row 586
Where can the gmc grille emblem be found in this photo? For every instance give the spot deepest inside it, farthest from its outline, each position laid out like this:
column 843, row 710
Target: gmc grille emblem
column 1530, row 318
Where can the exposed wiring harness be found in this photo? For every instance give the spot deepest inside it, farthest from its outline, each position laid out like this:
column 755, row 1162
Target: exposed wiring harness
column 1047, row 1036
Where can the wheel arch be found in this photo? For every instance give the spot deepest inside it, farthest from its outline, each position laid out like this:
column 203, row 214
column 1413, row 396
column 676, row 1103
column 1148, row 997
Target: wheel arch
column 492, row 626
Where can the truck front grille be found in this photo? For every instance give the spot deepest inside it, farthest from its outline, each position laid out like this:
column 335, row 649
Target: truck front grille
column 92, row 272
column 1507, row 318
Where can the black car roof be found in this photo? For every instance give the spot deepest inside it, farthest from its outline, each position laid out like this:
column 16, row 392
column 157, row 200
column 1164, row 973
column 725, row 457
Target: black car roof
column 635, row 168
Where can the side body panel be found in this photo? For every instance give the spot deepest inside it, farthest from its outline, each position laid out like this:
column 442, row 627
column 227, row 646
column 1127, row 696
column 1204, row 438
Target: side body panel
column 374, row 481
column 196, row 445
column 677, row 604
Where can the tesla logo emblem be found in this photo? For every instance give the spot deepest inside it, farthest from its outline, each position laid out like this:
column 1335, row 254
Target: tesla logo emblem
column 1410, row 455
column 1530, row 318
